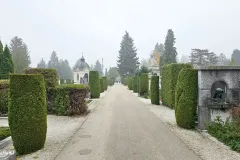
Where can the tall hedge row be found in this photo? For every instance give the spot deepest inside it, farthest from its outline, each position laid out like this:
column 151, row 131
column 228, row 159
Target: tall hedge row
column 135, row 84
column 102, row 84
column 50, row 76
column 154, row 88
column 27, row 112
column 105, row 83
column 186, row 98
column 130, row 82
column 144, row 84
column 94, row 84
column 169, row 81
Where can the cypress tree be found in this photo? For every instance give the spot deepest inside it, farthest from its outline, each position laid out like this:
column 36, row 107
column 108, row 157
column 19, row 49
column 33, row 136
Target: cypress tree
column 1, row 59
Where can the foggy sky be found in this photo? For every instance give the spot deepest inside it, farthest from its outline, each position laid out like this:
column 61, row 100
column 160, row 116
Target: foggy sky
column 96, row 27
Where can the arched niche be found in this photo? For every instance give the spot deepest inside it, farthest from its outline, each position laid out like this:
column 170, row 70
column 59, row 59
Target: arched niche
column 219, row 91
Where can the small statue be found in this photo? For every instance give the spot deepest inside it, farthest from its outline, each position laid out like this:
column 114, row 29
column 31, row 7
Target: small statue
column 218, row 95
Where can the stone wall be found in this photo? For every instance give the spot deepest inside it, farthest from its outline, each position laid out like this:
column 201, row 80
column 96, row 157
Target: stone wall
column 206, row 78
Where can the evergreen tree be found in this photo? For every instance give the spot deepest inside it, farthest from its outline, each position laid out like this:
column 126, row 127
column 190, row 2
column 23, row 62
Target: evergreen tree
column 20, row 54
column 42, row 64
column 223, row 60
column 1, row 47
column 98, row 67
column 127, row 58
column 113, row 72
column 64, row 70
column 170, row 53
column 236, row 56
column 7, row 66
column 53, row 62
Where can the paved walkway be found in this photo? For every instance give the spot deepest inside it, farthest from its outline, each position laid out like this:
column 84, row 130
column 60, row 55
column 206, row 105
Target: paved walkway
column 121, row 128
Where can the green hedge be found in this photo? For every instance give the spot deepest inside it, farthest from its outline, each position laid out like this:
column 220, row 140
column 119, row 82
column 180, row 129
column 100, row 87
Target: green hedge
column 154, row 87
column 135, row 84
column 169, row 81
column 50, row 76
column 4, row 85
column 94, row 84
column 27, row 112
column 69, row 99
column 186, row 98
column 105, row 83
column 62, row 81
column 130, row 82
column 111, row 81
column 125, row 81
column 144, row 84
column 69, row 81
column 102, row 84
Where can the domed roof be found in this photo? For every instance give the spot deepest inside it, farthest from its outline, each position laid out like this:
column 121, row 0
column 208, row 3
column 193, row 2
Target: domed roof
column 81, row 64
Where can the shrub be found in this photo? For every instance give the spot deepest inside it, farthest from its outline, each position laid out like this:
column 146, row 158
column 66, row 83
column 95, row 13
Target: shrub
column 69, row 99
column 4, row 132
column 111, row 81
column 94, row 84
column 144, row 84
column 125, row 81
column 27, row 112
column 186, row 98
column 50, row 76
column 102, row 84
column 236, row 115
column 4, row 85
column 154, row 87
column 169, row 81
column 130, row 82
column 69, row 81
column 227, row 133
column 135, row 84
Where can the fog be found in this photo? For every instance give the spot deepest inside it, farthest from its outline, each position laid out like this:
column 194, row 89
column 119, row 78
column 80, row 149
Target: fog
column 95, row 27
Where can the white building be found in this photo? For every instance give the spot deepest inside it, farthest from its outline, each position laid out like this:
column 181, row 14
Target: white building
column 81, row 72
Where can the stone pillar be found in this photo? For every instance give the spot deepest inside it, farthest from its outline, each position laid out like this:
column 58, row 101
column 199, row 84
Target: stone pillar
column 203, row 94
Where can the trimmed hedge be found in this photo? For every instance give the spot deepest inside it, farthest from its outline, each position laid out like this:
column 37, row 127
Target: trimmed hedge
column 169, row 81
column 62, row 81
column 130, row 82
column 4, row 85
column 125, row 81
column 27, row 112
column 105, row 83
column 50, row 76
column 186, row 98
column 154, row 87
column 69, row 99
column 102, row 84
column 111, row 81
column 144, row 84
column 135, row 84
column 94, row 84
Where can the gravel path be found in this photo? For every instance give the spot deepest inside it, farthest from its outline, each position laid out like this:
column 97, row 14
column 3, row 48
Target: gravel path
column 204, row 145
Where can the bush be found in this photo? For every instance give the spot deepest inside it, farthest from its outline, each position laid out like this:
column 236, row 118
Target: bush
column 102, row 84
column 69, row 99
column 69, row 81
column 154, row 87
column 4, row 85
column 125, row 81
column 50, row 76
column 169, row 81
column 4, row 132
column 94, row 84
column 144, row 84
column 111, row 81
column 130, row 82
column 186, row 98
column 135, row 84
column 227, row 133
column 27, row 112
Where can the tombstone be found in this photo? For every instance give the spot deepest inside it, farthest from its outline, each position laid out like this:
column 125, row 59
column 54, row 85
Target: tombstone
column 218, row 90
